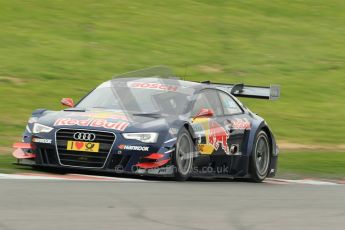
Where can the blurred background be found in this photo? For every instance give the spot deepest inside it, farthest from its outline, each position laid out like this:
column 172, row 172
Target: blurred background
column 55, row 49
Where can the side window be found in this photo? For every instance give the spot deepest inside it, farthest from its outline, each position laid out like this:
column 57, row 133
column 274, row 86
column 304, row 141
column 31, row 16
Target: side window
column 229, row 105
column 208, row 99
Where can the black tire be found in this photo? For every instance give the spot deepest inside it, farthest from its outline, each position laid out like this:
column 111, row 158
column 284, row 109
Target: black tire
column 183, row 156
column 260, row 158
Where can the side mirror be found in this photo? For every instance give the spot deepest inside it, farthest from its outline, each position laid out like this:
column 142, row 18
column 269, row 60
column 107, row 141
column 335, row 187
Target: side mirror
column 67, row 102
column 205, row 113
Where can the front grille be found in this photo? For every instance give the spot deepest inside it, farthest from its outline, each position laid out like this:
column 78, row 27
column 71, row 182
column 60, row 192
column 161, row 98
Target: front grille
column 83, row 159
column 119, row 162
column 46, row 156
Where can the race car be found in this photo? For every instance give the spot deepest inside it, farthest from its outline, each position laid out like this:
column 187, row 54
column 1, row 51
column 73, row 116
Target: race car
column 149, row 122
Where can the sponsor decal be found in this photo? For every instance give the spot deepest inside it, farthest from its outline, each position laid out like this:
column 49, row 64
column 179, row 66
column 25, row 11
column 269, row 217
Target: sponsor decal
column 133, row 147
column 211, row 136
column 218, row 136
column 156, row 86
column 202, row 131
column 40, row 140
column 105, row 115
column 240, row 124
column 98, row 123
column 82, row 146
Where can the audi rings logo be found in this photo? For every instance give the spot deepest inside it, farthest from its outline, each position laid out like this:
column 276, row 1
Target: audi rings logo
column 80, row 136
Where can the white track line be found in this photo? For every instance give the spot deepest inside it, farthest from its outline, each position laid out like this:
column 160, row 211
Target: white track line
column 305, row 181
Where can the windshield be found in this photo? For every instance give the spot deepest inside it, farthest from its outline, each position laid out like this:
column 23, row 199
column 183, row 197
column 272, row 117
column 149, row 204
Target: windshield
column 149, row 95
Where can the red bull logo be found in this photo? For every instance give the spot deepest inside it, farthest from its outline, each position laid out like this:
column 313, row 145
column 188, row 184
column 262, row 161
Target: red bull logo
column 99, row 123
column 218, row 135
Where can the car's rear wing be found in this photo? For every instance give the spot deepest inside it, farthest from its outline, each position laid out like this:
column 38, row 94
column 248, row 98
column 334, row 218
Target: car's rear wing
column 241, row 90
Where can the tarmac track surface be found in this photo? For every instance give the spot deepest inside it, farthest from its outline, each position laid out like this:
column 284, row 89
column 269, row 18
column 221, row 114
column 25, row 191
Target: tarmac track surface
column 97, row 205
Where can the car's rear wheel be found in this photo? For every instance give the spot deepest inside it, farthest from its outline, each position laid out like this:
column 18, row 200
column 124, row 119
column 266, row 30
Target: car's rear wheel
column 260, row 158
column 183, row 156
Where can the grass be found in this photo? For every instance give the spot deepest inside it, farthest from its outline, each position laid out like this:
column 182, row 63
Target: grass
column 7, row 166
column 312, row 164
column 55, row 49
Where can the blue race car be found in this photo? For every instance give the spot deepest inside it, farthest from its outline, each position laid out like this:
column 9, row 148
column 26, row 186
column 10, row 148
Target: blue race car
column 150, row 123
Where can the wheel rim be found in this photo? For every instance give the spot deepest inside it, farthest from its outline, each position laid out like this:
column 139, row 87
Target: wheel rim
column 184, row 154
column 262, row 155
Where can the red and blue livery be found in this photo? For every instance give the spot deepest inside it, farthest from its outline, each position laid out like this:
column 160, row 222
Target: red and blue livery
column 150, row 123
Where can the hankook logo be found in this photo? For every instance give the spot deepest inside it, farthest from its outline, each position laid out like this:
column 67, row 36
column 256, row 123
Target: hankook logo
column 135, row 148
column 80, row 136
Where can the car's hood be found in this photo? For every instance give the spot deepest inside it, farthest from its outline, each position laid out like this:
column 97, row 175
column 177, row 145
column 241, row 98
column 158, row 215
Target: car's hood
column 111, row 120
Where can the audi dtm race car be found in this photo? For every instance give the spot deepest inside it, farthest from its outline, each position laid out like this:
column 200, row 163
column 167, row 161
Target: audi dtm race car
column 150, row 123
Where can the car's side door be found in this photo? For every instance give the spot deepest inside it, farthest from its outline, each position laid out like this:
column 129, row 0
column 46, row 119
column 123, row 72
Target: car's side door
column 212, row 137
column 235, row 122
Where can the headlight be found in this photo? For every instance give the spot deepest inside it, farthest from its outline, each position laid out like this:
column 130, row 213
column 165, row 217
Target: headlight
column 143, row 137
column 38, row 128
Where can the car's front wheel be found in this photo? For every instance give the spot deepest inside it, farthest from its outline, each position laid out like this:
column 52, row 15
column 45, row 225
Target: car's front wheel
column 260, row 158
column 183, row 156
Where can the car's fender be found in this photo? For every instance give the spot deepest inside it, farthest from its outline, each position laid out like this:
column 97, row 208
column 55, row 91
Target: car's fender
column 257, row 125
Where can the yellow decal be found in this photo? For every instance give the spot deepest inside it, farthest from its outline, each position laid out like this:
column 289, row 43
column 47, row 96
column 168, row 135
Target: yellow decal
column 204, row 148
column 83, row 146
column 211, row 136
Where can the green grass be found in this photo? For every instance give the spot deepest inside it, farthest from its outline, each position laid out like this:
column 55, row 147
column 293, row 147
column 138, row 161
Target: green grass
column 7, row 166
column 312, row 164
column 55, row 49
